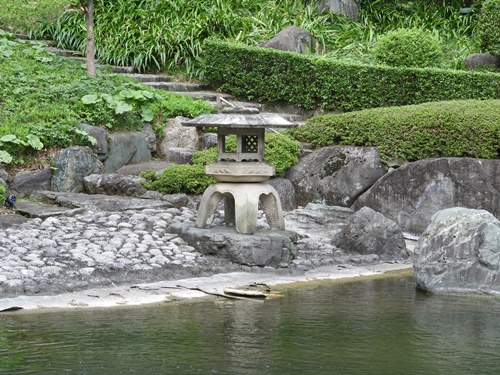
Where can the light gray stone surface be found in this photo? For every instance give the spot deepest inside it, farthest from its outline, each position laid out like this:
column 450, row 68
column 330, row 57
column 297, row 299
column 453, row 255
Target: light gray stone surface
column 177, row 136
column 411, row 194
column 369, row 232
column 23, row 183
column 335, row 175
column 293, row 39
column 71, row 165
column 124, row 149
column 459, row 252
column 115, row 184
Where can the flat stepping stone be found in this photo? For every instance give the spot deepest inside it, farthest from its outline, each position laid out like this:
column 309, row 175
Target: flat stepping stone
column 135, row 169
column 146, row 78
column 208, row 96
column 43, row 211
column 176, row 86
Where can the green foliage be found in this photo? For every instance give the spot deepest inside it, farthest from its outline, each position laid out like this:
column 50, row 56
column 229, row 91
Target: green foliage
column 2, row 195
column 453, row 128
column 168, row 35
column 488, row 27
column 263, row 74
column 23, row 15
column 183, row 178
column 408, row 47
column 41, row 96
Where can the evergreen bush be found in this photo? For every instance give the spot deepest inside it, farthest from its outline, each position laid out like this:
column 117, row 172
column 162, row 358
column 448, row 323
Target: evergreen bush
column 453, row 128
column 408, row 47
column 488, row 27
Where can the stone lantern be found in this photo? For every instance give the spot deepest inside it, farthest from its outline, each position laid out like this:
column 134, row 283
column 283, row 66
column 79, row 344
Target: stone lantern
column 241, row 174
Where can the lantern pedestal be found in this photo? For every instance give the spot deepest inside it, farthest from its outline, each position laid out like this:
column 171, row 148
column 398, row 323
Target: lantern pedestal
column 241, row 205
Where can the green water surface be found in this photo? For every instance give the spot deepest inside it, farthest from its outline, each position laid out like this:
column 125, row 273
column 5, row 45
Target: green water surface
column 378, row 326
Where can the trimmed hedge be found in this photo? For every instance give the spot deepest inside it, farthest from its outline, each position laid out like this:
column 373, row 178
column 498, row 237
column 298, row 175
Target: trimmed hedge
column 453, row 128
column 265, row 74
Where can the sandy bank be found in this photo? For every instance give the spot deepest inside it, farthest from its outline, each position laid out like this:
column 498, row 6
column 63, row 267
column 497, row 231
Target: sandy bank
column 185, row 289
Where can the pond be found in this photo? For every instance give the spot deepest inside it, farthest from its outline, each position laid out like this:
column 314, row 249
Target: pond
column 377, row 326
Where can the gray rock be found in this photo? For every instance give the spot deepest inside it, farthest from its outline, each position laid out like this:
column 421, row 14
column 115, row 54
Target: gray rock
column 293, row 39
column 369, row 232
column 150, row 137
column 264, row 248
column 126, row 148
column 459, row 252
column 180, row 155
column 177, row 200
column 208, row 140
column 3, row 183
column 477, row 61
column 3, row 174
column 72, row 165
column 286, row 192
column 348, row 8
column 98, row 202
column 23, row 183
column 115, row 184
column 335, row 175
column 136, row 169
column 177, row 136
column 411, row 194
column 101, row 137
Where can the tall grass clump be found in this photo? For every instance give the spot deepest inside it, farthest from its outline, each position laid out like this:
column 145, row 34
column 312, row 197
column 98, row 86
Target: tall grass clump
column 488, row 28
column 168, row 35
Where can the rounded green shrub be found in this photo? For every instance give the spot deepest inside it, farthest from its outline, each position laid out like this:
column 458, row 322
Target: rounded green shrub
column 409, row 48
column 488, row 27
column 183, row 178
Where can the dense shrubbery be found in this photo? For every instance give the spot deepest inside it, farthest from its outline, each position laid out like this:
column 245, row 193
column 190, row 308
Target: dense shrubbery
column 41, row 100
column 454, row 128
column 264, row 74
column 183, row 178
column 488, row 28
column 408, row 47
column 281, row 151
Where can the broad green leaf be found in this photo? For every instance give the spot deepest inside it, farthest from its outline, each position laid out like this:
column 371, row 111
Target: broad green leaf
column 34, row 142
column 8, row 138
column 122, row 107
column 147, row 113
column 5, row 157
column 129, row 94
column 92, row 140
column 90, row 99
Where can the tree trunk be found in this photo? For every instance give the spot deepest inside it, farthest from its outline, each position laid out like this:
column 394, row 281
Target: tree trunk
column 90, row 49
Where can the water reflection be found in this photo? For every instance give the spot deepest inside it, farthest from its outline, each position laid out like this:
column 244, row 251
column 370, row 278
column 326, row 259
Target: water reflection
column 370, row 327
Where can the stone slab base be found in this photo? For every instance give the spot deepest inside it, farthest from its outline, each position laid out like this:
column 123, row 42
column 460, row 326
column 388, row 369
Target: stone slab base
column 266, row 247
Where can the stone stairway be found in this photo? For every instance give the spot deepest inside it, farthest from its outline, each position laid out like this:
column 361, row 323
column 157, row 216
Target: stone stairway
column 194, row 90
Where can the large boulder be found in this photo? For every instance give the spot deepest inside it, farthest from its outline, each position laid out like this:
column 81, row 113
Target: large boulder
column 335, row 175
column 263, row 248
column 477, row 61
column 23, row 183
column 285, row 191
column 177, row 136
column 459, row 252
column 369, row 232
column 293, row 39
column 411, row 194
column 71, row 166
column 101, row 137
column 348, row 8
column 115, row 184
column 126, row 148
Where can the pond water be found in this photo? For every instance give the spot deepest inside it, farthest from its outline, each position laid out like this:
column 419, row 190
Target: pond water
column 379, row 326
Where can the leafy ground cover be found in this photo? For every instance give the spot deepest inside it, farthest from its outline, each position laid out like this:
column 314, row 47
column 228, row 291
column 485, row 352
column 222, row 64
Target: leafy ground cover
column 44, row 98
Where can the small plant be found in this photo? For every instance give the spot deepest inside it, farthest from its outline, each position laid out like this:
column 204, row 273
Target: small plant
column 184, row 178
column 408, row 47
column 488, row 27
column 2, row 195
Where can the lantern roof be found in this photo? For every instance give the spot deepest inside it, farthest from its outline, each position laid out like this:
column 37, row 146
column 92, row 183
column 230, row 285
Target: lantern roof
column 237, row 120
